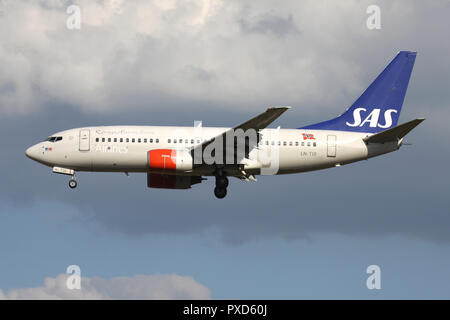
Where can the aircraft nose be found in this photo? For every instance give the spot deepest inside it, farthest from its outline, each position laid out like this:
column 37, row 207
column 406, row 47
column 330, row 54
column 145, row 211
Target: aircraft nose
column 31, row 152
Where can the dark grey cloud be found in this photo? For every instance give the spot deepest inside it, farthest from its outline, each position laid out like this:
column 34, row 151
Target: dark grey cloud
column 270, row 24
column 401, row 193
column 197, row 73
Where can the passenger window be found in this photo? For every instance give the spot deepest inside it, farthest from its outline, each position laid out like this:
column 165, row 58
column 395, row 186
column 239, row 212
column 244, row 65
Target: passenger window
column 103, row 139
column 97, row 139
column 174, row 140
column 109, row 139
column 151, row 140
column 145, row 140
column 279, row 143
column 132, row 140
column 168, row 140
column 309, row 144
column 121, row 139
column 290, row 143
column 139, row 140
column 303, row 144
column 128, row 140
column 115, row 139
column 314, row 144
column 157, row 141
column 192, row 141
column 296, row 143
column 180, row 141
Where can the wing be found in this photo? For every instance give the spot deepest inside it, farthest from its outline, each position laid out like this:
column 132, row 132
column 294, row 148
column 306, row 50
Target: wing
column 262, row 120
column 257, row 123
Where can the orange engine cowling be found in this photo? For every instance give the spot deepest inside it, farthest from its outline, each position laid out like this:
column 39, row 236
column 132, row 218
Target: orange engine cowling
column 170, row 181
column 169, row 160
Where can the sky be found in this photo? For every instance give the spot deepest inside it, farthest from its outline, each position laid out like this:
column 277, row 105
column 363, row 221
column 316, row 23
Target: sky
column 171, row 62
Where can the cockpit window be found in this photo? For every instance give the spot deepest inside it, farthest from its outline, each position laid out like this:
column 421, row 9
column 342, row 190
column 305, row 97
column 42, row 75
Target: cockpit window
column 54, row 139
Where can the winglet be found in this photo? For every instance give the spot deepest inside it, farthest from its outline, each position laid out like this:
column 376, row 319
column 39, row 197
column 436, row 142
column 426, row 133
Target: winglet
column 279, row 107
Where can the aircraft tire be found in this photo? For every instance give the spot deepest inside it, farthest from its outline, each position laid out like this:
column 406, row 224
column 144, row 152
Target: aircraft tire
column 222, row 182
column 72, row 183
column 220, row 192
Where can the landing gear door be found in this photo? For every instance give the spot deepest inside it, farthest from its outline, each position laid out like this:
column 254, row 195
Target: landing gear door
column 331, row 149
column 84, row 140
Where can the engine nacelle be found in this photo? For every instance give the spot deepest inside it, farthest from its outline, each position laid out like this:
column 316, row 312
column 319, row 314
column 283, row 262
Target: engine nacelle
column 168, row 181
column 169, row 160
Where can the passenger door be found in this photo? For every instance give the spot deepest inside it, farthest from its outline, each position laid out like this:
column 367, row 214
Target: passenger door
column 331, row 146
column 84, row 140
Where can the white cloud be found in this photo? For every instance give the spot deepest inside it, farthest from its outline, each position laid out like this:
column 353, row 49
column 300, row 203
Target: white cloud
column 160, row 286
column 149, row 53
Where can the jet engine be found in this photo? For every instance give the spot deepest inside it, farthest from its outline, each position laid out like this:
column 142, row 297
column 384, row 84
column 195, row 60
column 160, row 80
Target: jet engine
column 167, row 181
column 169, row 160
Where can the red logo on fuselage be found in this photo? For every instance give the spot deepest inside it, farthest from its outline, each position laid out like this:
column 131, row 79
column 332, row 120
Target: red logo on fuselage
column 308, row 136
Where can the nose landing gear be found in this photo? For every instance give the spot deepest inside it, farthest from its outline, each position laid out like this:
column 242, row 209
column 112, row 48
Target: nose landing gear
column 67, row 172
column 73, row 183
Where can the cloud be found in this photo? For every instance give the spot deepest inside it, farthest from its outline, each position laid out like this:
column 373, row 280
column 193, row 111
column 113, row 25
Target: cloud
column 157, row 287
column 269, row 23
column 145, row 54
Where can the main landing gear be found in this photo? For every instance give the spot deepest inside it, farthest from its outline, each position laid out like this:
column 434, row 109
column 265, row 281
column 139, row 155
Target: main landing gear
column 220, row 191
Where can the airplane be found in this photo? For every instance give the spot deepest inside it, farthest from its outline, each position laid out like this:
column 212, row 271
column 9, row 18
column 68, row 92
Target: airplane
column 180, row 157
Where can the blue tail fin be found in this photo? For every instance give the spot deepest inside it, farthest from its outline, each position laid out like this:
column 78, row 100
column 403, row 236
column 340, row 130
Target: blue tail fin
column 378, row 108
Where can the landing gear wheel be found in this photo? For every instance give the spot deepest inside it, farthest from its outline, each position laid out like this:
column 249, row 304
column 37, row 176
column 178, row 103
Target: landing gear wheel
column 72, row 183
column 220, row 192
column 222, row 181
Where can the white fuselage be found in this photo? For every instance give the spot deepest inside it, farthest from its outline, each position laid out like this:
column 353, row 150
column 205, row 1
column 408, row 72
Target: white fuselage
column 125, row 149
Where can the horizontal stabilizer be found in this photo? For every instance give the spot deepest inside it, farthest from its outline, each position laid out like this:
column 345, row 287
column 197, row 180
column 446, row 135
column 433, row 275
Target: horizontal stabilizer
column 394, row 133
